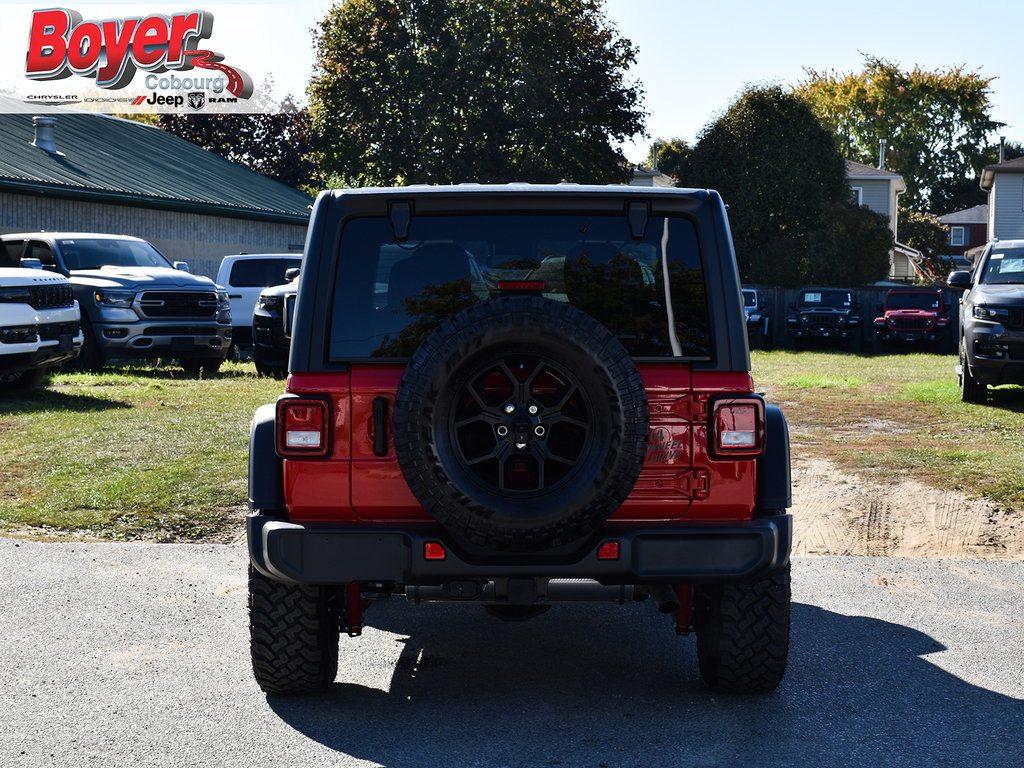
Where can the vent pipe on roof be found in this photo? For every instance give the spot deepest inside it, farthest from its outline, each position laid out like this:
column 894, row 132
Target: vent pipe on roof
column 1002, row 149
column 45, row 134
column 881, row 154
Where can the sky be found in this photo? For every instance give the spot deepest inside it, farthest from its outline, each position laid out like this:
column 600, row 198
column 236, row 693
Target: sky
column 694, row 58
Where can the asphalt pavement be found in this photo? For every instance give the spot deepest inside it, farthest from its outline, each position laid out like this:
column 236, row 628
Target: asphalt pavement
column 136, row 655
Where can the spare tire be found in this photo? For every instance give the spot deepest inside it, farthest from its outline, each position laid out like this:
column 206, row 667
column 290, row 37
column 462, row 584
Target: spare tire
column 521, row 424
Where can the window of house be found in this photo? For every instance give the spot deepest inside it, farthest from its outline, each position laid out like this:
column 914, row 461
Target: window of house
column 958, row 235
column 857, row 195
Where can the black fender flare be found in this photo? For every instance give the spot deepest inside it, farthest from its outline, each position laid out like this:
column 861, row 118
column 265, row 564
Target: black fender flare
column 774, row 481
column 266, row 469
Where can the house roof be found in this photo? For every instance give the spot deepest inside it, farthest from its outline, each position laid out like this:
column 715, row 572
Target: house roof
column 1010, row 166
column 860, row 171
column 656, row 178
column 113, row 160
column 976, row 215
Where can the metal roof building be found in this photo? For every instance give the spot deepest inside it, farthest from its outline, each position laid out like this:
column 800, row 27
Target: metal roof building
column 66, row 170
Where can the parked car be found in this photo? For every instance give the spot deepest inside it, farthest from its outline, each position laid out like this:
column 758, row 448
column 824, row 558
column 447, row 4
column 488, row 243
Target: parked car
column 828, row 315
column 134, row 302
column 913, row 317
column 511, row 397
column 245, row 276
column 39, row 326
column 272, row 327
column 758, row 314
column 991, row 345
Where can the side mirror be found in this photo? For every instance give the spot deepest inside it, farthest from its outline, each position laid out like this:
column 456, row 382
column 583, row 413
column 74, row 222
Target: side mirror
column 181, row 265
column 31, row 264
column 960, row 279
column 291, row 274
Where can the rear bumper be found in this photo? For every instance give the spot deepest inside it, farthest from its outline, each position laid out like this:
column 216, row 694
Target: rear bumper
column 676, row 554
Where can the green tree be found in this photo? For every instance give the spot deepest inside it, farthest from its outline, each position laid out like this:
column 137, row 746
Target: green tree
column 851, row 246
column 672, row 154
column 779, row 171
column 936, row 123
column 447, row 91
column 924, row 232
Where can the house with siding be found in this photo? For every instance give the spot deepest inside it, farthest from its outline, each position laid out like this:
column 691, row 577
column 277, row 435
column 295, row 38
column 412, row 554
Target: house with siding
column 878, row 190
column 1004, row 183
column 968, row 232
column 66, row 170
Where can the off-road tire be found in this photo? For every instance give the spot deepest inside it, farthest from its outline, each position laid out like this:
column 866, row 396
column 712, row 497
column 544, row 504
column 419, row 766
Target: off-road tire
column 971, row 390
column 743, row 633
column 560, row 500
column 293, row 633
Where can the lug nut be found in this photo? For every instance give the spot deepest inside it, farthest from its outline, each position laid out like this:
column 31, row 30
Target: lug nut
column 533, row 410
column 539, row 430
column 502, row 430
column 510, row 408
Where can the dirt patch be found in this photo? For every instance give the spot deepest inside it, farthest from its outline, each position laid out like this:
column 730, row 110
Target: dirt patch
column 839, row 513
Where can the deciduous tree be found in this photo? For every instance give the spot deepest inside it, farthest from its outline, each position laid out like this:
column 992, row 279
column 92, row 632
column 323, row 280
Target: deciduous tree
column 936, row 123
column 784, row 181
column 672, row 154
column 447, row 91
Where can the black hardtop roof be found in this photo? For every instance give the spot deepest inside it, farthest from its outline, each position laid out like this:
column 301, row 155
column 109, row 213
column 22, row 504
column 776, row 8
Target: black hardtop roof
column 525, row 194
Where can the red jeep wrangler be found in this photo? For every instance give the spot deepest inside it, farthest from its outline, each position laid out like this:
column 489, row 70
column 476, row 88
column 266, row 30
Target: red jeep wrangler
column 914, row 316
column 514, row 396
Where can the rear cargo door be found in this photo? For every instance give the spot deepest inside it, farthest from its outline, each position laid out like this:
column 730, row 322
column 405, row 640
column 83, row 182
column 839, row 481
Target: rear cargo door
column 668, row 483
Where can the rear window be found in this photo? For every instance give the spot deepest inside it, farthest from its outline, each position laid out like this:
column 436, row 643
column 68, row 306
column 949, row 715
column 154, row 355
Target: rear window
column 389, row 295
column 261, row 273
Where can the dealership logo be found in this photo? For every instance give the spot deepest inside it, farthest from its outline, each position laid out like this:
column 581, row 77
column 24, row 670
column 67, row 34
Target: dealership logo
column 113, row 50
column 196, row 99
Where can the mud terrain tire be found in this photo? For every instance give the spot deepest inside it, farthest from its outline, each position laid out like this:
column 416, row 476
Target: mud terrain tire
column 521, row 424
column 743, row 633
column 293, row 633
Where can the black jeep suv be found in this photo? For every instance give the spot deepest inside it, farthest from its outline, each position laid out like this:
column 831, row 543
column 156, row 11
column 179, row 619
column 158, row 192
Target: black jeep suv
column 828, row 316
column 513, row 396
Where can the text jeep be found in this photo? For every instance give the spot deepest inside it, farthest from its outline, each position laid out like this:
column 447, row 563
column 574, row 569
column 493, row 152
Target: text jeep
column 515, row 396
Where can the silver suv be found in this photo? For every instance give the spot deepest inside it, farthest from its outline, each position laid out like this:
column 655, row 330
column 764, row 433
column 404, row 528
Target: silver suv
column 135, row 303
column 991, row 320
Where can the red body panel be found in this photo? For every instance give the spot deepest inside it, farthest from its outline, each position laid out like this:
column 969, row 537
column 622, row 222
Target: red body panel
column 679, row 477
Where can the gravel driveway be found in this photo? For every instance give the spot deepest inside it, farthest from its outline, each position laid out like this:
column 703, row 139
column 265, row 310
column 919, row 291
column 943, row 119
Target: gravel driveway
column 136, row 655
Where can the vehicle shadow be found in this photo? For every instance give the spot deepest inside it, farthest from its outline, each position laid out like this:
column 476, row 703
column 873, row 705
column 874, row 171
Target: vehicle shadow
column 43, row 399
column 1006, row 398
column 588, row 686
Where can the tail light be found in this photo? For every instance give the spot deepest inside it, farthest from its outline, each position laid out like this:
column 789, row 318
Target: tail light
column 303, row 427
column 737, row 426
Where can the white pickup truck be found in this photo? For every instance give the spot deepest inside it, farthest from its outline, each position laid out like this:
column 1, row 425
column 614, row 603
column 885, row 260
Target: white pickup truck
column 40, row 326
column 245, row 275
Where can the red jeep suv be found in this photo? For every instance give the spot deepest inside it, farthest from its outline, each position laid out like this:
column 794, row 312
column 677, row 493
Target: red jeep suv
column 514, row 396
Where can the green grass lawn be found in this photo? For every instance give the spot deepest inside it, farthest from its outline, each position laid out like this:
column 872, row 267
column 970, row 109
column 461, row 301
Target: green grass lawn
column 899, row 414
column 147, row 452
column 137, row 452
